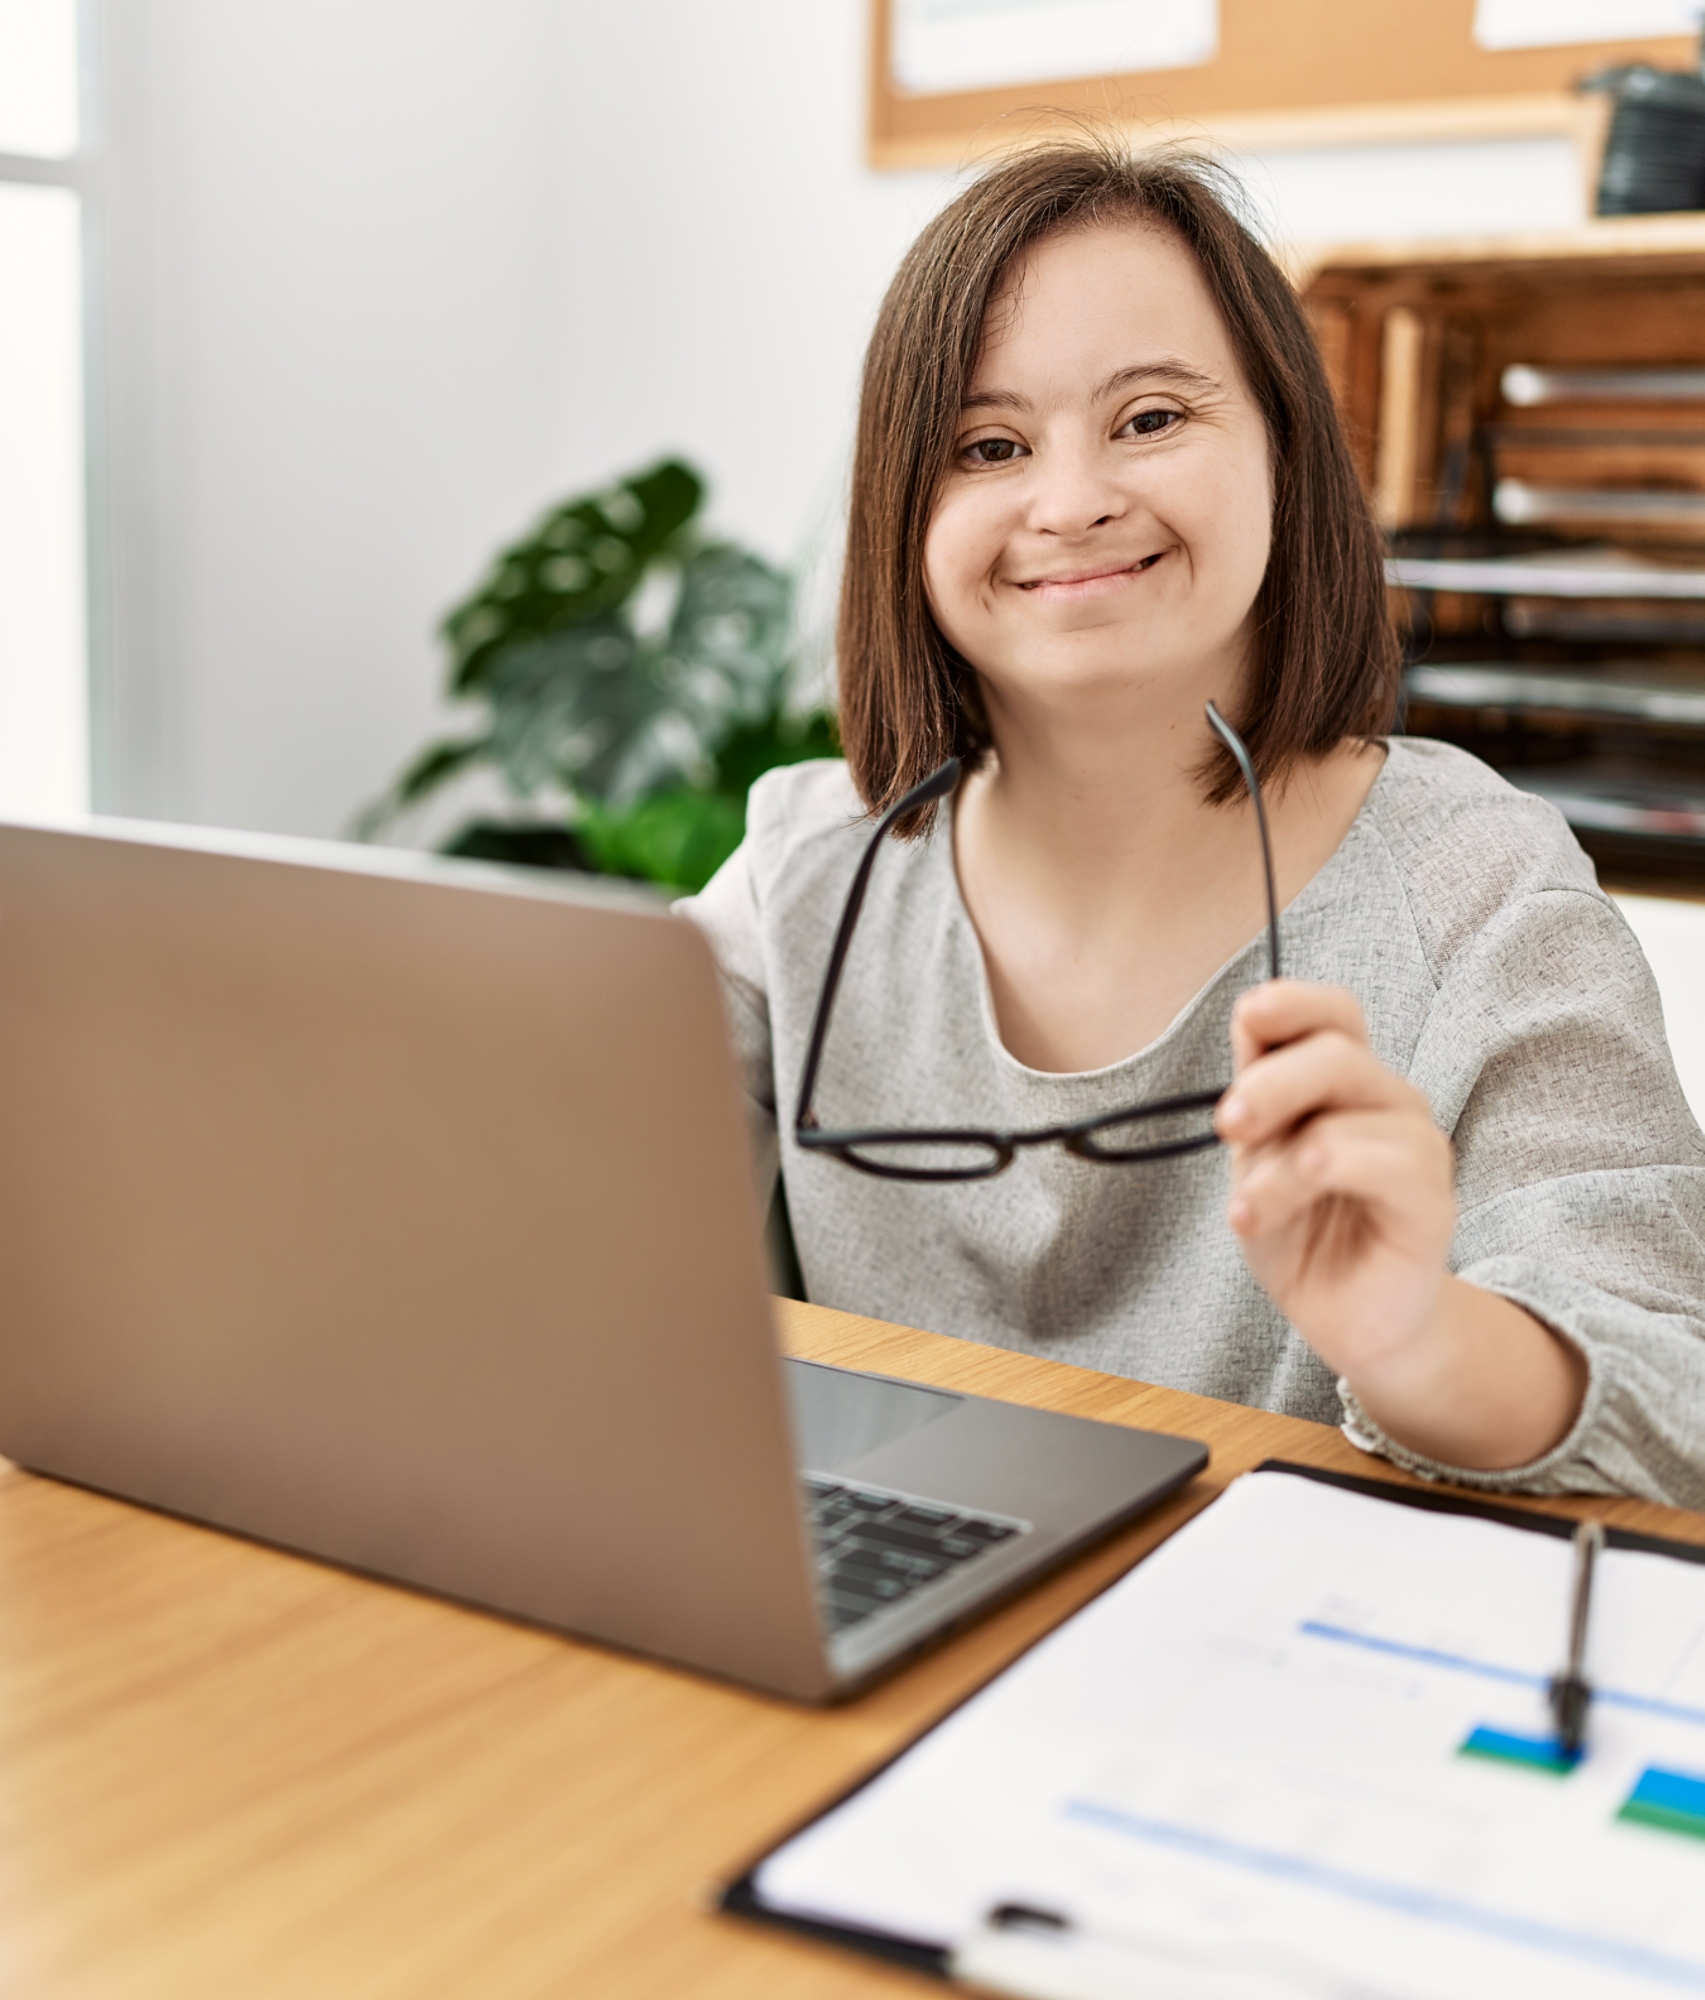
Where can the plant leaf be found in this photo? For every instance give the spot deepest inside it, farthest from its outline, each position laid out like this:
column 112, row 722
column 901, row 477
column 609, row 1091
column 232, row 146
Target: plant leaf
column 758, row 747
column 583, row 560
column 565, row 708
column 598, row 711
column 721, row 665
column 635, row 667
column 679, row 838
column 435, row 764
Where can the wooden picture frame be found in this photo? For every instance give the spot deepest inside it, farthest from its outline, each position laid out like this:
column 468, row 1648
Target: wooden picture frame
column 1288, row 73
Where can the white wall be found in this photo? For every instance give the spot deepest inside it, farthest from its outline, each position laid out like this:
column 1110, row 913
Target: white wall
column 43, row 696
column 387, row 275
column 329, row 365
column 720, row 266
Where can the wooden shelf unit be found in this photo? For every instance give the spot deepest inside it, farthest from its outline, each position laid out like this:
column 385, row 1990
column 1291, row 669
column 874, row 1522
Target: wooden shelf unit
column 1417, row 339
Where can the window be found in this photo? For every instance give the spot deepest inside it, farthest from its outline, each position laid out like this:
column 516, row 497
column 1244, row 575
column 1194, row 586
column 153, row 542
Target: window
column 44, row 730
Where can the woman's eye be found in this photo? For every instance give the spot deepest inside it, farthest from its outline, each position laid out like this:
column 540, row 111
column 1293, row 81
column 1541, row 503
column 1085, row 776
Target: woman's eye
column 1150, row 423
column 995, row 451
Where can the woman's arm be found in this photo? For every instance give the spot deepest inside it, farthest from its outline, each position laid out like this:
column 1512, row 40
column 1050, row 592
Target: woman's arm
column 1343, row 1197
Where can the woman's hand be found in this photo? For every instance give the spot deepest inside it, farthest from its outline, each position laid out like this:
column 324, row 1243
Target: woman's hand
column 1343, row 1188
column 1343, row 1196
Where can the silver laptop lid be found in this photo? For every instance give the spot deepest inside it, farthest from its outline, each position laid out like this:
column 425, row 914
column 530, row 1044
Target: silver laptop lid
column 395, row 1211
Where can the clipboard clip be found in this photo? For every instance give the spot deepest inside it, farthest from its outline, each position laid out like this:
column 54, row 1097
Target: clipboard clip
column 1035, row 1953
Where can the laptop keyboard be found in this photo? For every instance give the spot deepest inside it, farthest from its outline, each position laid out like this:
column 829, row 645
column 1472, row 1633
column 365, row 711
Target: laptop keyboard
column 875, row 1548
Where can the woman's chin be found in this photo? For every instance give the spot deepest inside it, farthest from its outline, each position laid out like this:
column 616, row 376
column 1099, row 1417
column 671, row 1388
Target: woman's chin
column 1080, row 679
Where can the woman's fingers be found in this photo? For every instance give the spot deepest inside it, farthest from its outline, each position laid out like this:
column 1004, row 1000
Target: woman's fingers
column 1386, row 1160
column 1284, row 1010
column 1340, row 1178
column 1325, row 1071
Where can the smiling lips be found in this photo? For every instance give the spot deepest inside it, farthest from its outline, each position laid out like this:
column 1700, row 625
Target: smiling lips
column 1091, row 582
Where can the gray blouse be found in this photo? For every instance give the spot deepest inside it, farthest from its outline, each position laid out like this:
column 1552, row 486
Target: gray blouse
column 1494, row 974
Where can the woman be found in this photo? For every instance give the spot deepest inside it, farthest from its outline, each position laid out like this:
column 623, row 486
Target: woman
column 1099, row 484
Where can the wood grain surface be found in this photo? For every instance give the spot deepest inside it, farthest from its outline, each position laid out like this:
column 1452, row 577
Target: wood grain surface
column 229, row 1771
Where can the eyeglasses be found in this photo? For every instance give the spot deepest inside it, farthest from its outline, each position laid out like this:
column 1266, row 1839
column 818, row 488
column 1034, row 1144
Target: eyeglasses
column 1157, row 1130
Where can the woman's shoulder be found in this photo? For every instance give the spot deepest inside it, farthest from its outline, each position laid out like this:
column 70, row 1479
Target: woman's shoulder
column 1436, row 801
column 805, row 799
column 805, row 818
column 1467, row 844
column 802, row 842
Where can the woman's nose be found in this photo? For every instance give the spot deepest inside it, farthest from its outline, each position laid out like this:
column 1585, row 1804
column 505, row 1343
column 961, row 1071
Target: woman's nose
column 1073, row 491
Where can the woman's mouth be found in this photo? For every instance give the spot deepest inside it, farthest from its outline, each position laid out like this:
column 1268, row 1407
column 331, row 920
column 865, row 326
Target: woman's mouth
column 1084, row 583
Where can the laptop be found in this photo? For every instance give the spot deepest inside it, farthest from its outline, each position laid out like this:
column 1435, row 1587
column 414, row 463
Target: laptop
column 399, row 1211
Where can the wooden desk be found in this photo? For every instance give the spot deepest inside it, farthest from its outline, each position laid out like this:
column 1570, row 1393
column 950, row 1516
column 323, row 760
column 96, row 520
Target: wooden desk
column 228, row 1772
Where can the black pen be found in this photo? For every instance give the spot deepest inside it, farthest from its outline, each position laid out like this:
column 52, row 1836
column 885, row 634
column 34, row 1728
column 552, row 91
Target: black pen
column 1571, row 1691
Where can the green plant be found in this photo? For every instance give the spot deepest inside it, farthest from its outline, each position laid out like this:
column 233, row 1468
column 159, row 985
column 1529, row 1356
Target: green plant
column 634, row 673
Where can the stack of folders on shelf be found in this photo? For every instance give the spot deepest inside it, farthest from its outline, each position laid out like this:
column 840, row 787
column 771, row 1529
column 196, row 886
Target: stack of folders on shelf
column 1596, row 699
column 1595, row 797
column 1638, row 429
column 1305, row 1749
column 1655, row 599
column 1643, row 719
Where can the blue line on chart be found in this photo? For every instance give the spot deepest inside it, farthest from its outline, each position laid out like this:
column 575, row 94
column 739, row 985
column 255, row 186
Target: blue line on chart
column 1611, row 1953
column 1460, row 1663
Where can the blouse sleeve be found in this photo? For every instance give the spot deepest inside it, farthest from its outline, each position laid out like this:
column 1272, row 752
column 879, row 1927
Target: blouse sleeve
column 1580, row 1187
column 726, row 910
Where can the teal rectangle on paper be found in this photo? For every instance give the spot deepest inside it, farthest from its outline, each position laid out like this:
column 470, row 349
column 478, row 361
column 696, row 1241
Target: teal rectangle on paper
column 1531, row 1753
column 1670, row 1800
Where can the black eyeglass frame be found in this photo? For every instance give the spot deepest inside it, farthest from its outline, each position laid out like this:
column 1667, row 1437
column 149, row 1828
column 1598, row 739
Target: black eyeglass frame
column 1003, row 1147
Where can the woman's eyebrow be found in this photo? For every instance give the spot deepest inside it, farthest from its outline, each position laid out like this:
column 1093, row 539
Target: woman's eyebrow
column 1178, row 372
column 995, row 399
column 1156, row 371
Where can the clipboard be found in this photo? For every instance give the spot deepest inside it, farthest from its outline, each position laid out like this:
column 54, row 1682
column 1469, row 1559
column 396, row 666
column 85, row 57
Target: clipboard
column 743, row 1897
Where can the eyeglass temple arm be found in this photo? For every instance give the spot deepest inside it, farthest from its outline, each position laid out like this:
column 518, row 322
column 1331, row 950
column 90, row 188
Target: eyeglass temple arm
column 1246, row 764
column 938, row 785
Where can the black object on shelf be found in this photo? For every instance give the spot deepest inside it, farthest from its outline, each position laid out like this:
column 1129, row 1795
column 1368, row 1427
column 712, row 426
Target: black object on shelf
column 1654, row 157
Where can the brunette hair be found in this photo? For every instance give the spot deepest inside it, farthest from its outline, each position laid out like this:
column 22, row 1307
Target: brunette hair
column 1326, row 661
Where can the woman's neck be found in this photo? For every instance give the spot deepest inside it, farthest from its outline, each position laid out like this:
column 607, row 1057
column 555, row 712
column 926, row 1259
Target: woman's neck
column 1106, row 890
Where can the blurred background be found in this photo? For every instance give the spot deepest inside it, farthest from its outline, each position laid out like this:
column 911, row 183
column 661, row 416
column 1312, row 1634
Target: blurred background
column 308, row 308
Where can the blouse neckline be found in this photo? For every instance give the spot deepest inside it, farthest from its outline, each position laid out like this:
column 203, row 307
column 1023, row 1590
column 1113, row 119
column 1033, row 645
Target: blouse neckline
column 1177, row 1028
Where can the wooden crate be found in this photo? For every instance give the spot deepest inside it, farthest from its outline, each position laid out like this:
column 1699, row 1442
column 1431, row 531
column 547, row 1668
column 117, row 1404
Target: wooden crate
column 1417, row 338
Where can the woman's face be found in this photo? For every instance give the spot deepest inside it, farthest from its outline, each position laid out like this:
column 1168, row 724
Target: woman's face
column 1103, row 527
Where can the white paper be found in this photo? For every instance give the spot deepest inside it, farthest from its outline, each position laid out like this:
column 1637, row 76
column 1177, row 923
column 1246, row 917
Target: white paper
column 947, row 45
column 1246, row 1757
column 1541, row 24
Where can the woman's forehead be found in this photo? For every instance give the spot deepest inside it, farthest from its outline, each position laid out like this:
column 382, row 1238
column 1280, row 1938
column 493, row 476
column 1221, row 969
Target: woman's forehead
column 1099, row 299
